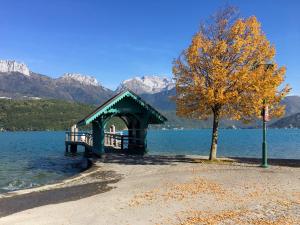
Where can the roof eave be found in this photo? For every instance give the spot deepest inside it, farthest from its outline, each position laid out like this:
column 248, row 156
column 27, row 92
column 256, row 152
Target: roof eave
column 91, row 117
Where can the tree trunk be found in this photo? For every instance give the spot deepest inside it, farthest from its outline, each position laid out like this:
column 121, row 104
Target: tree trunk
column 214, row 139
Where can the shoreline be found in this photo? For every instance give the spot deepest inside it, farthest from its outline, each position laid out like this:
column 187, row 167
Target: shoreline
column 92, row 181
column 84, row 172
column 167, row 190
column 92, row 168
column 101, row 177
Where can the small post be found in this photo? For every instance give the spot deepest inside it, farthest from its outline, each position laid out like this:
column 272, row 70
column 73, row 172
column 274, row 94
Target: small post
column 122, row 142
column 115, row 140
column 265, row 114
column 112, row 129
column 76, row 133
column 72, row 133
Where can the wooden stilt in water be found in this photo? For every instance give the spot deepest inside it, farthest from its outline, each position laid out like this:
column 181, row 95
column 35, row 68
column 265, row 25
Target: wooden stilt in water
column 73, row 148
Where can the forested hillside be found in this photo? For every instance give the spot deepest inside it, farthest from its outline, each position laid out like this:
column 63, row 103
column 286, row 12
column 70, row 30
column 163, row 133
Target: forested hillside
column 60, row 115
column 40, row 114
column 27, row 115
column 292, row 121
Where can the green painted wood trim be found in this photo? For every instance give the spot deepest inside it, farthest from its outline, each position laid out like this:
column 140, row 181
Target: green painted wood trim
column 105, row 108
column 98, row 137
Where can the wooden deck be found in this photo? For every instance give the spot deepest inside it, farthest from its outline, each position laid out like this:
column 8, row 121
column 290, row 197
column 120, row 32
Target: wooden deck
column 115, row 141
column 74, row 139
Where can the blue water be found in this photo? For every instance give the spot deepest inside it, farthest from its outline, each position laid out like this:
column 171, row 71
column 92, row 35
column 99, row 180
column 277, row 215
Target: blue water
column 29, row 159
column 283, row 144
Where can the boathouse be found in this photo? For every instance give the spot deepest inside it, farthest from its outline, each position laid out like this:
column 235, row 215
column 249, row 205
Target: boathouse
column 136, row 114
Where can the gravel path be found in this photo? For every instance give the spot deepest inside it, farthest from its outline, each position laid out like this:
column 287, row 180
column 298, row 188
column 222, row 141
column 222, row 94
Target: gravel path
column 166, row 190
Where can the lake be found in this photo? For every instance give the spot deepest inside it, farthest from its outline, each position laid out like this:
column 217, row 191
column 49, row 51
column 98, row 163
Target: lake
column 29, row 159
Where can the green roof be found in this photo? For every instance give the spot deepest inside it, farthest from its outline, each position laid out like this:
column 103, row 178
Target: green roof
column 156, row 117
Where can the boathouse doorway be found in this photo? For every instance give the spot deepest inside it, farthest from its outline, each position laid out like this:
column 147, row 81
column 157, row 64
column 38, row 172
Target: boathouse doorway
column 121, row 132
column 136, row 115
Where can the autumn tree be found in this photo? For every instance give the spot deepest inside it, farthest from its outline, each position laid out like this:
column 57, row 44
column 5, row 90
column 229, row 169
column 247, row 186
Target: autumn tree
column 226, row 73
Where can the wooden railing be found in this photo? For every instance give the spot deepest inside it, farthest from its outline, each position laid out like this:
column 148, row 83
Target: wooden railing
column 79, row 137
column 119, row 141
column 115, row 140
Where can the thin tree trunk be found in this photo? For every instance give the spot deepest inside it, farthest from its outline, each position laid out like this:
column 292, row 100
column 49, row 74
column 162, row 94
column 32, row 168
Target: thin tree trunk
column 214, row 139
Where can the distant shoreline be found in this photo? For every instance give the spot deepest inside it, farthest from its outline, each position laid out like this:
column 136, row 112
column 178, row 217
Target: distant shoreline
column 155, row 129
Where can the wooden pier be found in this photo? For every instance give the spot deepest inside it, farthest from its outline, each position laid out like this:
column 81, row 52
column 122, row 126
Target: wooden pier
column 73, row 139
column 112, row 140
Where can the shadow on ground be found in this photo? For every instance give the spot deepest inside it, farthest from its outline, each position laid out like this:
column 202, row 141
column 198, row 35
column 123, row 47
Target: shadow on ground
column 271, row 162
column 17, row 203
column 120, row 158
column 145, row 159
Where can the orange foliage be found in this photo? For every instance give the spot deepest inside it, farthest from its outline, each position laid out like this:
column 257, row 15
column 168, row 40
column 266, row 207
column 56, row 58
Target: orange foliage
column 226, row 70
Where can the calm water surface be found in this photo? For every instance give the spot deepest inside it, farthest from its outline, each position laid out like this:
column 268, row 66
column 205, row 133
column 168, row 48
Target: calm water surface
column 30, row 159
column 282, row 143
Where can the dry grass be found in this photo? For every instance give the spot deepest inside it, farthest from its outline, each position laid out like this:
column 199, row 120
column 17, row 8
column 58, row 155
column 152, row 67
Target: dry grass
column 207, row 218
column 179, row 192
column 241, row 217
column 278, row 211
column 249, row 201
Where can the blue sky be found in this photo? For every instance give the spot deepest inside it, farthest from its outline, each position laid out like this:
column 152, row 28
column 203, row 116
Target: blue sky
column 115, row 40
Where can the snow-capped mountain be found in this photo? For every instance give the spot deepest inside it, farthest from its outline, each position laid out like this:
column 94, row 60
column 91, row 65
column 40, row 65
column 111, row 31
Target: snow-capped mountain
column 18, row 82
column 82, row 79
column 10, row 66
column 82, row 88
column 147, row 84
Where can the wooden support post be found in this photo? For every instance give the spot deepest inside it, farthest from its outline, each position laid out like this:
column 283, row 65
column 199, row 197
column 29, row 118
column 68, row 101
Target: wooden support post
column 72, row 136
column 73, row 148
column 134, row 136
column 86, row 149
column 67, row 148
column 145, row 140
column 101, row 126
column 76, row 133
column 98, row 137
column 122, row 143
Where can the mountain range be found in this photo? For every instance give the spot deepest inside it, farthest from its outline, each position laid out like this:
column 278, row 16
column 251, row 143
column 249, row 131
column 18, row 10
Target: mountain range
column 17, row 81
column 147, row 85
